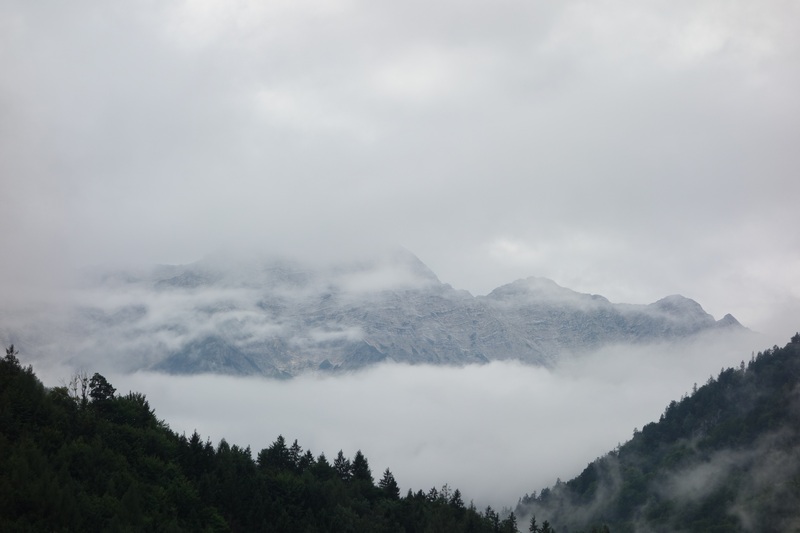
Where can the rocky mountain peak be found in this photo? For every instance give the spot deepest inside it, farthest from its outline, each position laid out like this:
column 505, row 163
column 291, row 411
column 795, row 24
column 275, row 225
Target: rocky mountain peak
column 680, row 306
column 729, row 321
column 537, row 290
column 278, row 317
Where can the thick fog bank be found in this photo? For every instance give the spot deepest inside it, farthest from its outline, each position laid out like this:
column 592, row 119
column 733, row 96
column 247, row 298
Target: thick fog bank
column 495, row 431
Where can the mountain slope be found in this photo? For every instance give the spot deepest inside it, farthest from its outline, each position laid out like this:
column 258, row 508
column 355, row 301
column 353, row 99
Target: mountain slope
column 83, row 458
column 276, row 317
column 726, row 458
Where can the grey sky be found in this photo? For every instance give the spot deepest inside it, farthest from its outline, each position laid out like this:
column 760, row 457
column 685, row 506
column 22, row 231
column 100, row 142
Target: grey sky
column 623, row 148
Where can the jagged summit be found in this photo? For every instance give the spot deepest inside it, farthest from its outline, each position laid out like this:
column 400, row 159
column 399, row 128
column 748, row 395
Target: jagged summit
column 538, row 289
column 679, row 305
column 729, row 321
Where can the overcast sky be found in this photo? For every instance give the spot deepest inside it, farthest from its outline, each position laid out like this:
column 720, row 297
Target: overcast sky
column 631, row 149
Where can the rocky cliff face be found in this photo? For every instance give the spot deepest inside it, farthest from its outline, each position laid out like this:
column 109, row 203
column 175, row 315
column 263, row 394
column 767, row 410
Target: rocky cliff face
column 280, row 318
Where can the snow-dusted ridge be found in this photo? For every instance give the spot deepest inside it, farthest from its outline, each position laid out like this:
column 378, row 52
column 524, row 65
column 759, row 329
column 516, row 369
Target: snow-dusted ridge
column 276, row 317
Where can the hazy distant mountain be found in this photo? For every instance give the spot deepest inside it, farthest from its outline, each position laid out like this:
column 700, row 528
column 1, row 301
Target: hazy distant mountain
column 277, row 317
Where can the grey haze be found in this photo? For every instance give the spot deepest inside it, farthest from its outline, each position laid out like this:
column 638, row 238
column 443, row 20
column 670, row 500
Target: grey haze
column 623, row 148
column 276, row 317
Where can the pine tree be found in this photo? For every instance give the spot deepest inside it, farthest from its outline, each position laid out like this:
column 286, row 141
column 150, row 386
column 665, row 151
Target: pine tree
column 492, row 518
column 306, row 461
column 342, row 467
column 509, row 525
column 456, row 500
column 361, row 471
column 276, row 456
column 294, row 455
column 322, row 469
column 11, row 357
column 389, row 485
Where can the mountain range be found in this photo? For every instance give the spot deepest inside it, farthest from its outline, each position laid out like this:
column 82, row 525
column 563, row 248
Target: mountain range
column 281, row 318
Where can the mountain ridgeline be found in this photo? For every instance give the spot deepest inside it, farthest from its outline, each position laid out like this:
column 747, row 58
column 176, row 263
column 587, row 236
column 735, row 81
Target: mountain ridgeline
column 280, row 318
column 725, row 458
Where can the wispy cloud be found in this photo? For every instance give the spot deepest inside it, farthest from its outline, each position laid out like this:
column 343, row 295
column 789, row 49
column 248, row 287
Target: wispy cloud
column 495, row 431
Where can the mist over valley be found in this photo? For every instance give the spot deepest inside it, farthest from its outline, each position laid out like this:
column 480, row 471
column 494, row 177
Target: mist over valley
column 555, row 378
column 483, row 243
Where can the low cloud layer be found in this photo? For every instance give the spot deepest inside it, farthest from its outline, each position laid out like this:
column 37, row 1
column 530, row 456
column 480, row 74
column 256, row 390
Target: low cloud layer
column 233, row 314
column 495, row 431
column 717, row 462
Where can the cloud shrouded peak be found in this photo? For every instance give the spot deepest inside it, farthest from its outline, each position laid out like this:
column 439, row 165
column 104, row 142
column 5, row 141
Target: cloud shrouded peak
column 271, row 315
column 630, row 151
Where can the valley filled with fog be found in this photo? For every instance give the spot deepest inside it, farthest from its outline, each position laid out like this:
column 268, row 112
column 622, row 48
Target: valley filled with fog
column 565, row 376
column 217, row 204
column 495, row 431
column 544, row 403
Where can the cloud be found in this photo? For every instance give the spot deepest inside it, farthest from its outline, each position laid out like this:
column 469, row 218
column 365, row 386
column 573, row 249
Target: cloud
column 640, row 150
column 495, row 431
column 387, row 277
column 431, row 74
column 305, row 112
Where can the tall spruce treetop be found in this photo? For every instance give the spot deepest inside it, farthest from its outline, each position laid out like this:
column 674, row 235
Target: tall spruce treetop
column 295, row 453
column 342, row 466
column 361, row 471
column 456, row 500
column 11, row 356
column 389, row 485
column 509, row 524
column 276, row 456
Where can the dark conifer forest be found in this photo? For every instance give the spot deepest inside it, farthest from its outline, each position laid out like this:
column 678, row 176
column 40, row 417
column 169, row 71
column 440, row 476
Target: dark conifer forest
column 83, row 457
column 725, row 458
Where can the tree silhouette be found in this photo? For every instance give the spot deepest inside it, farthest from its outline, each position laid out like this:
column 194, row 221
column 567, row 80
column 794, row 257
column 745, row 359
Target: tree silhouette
column 361, row 471
column 100, row 390
column 389, row 485
column 342, row 466
column 11, row 356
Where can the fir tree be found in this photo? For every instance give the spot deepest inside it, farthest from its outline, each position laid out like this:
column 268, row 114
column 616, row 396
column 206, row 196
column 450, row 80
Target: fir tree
column 389, row 485
column 360, row 468
column 342, row 467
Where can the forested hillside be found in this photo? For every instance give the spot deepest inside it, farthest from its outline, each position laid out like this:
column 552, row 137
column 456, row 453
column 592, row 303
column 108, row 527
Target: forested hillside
column 83, row 458
column 725, row 458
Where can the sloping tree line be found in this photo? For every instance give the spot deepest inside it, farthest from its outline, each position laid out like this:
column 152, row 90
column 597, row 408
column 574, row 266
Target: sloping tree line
column 82, row 457
column 725, row 458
